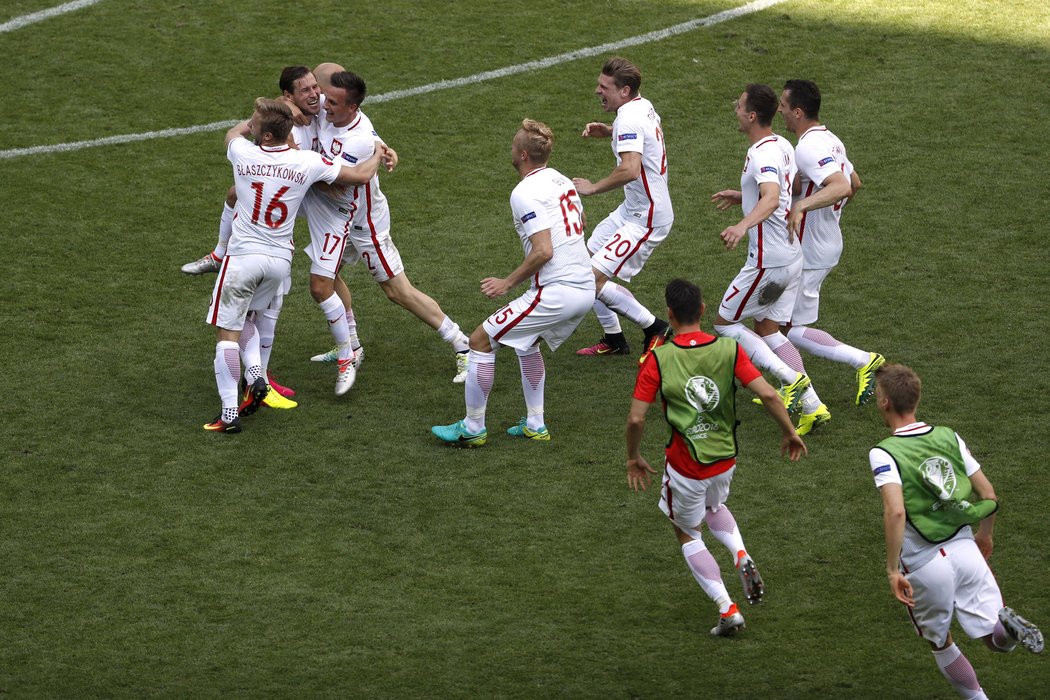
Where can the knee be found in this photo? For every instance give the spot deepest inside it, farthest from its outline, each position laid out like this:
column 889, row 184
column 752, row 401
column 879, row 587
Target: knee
column 321, row 288
column 479, row 340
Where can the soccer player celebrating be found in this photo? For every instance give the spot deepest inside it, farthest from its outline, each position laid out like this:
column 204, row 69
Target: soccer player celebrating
column 933, row 491
column 548, row 217
column 622, row 243
column 271, row 180
column 766, row 285
column 826, row 180
column 346, row 135
column 695, row 373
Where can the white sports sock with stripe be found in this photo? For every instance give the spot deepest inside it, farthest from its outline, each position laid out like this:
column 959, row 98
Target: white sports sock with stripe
column 758, row 351
column 481, row 373
column 533, row 375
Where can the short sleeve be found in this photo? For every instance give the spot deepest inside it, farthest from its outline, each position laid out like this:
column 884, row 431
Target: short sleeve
column 647, row 385
column 629, row 134
column 236, row 148
column 883, row 467
column 972, row 465
column 529, row 213
column 817, row 164
column 766, row 165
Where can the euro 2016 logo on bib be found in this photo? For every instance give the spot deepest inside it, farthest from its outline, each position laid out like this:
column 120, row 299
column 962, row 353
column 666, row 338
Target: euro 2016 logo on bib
column 938, row 474
column 702, row 393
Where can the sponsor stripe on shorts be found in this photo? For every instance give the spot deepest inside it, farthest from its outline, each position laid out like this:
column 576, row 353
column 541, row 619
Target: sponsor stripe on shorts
column 218, row 292
column 526, row 312
column 750, row 291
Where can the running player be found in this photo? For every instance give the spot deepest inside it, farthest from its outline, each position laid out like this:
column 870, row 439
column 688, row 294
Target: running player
column 271, row 179
column 695, row 373
column 765, row 287
column 933, row 490
column 826, row 180
column 548, row 217
column 346, row 135
column 621, row 244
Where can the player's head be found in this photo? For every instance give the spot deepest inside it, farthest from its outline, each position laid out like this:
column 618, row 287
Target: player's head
column 271, row 122
column 618, row 83
column 532, row 143
column 756, row 106
column 800, row 99
column 685, row 302
column 343, row 97
column 897, row 389
column 299, row 85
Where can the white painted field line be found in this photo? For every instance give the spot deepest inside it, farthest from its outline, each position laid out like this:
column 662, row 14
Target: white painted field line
column 24, row 20
column 431, row 87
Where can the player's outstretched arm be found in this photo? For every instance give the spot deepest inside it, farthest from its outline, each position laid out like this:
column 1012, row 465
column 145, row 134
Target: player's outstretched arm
column 362, row 172
column 768, row 201
column 727, row 198
column 893, row 523
column 541, row 252
column 833, row 190
column 790, row 444
column 628, row 170
column 597, row 130
column 639, row 473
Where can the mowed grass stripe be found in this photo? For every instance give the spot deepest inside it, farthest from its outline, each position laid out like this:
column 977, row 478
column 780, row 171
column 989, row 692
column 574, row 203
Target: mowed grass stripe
column 517, row 69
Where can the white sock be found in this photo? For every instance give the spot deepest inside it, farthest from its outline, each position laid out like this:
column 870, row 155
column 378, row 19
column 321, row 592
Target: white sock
column 607, row 317
column 481, row 373
column 351, row 325
column 225, row 230
column 722, row 526
column 227, row 373
column 822, row 344
column 266, row 325
column 335, row 312
column 705, row 570
column 250, row 351
column 533, row 375
column 450, row 333
column 620, row 300
column 758, row 351
column 957, row 669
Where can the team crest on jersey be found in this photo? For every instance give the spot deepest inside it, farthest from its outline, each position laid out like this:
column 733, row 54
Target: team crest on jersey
column 824, row 161
column 337, row 147
column 527, row 217
column 627, row 137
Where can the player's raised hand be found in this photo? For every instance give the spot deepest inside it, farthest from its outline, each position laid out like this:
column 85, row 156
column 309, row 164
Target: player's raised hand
column 731, row 235
column 596, row 129
column 638, row 473
column 901, row 589
column 793, row 447
column 493, row 287
column 726, row 198
column 583, row 186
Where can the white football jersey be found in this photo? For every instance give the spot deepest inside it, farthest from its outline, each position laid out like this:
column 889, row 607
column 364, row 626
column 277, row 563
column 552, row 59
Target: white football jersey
column 769, row 160
column 546, row 199
column 349, row 145
column 637, row 129
column 819, row 154
column 271, row 184
column 305, row 137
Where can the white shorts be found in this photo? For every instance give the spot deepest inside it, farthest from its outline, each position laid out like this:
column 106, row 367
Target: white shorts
column 378, row 252
column 551, row 313
column 685, row 500
column 807, row 302
column 956, row 580
column 761, row 293
column 329, row 225
column 619, row 248
column 245, row 283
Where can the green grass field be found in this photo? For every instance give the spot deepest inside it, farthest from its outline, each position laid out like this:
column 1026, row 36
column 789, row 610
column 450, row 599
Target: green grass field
column 337, row 549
